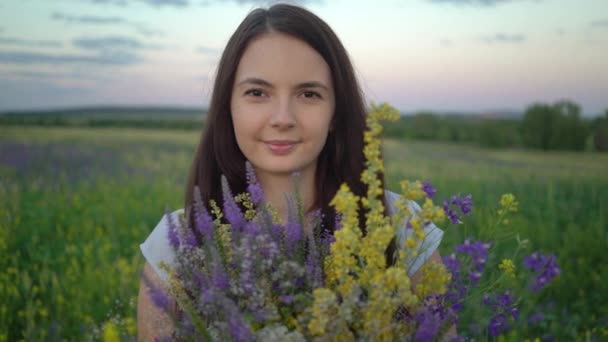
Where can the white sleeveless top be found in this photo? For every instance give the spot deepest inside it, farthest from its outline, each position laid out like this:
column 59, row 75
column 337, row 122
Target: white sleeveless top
column 156, row 248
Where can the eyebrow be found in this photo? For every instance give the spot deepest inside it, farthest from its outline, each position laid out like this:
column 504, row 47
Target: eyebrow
column 261, row 82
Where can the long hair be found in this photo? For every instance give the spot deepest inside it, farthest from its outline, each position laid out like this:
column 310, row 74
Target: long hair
column 341, row 159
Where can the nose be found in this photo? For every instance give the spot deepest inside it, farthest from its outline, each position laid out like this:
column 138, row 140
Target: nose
column 283, row 115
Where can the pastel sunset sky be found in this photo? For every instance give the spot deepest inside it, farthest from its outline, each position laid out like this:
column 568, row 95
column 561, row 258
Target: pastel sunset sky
column 444, row 55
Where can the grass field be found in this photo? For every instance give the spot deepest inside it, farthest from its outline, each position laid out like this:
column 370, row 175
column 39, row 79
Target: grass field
column 75, row 203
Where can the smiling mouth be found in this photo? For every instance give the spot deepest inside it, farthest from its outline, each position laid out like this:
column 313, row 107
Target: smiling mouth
column 281, row 147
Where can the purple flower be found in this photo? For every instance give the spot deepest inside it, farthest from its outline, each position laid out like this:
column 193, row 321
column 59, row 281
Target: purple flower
column 464, row 203
column 497, row 325
column 451, row 263
column 428, row 328
column 428, row 325
column 478, row 252
column 252, row 228
column 503, row 306
column 239, row 330
column 172, row 232
column 544, row 267
column 233, row 213
column 450, row 213
column 220, row 277
column 293, row 230
column 253, row 187
column 429, row 189
column 202, row 220
column 159, row 297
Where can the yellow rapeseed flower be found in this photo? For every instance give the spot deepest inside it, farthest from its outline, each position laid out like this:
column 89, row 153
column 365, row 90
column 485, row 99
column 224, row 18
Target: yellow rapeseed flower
column 435, row 278
column 508, row 267
column 110, row 333
column 508, row 203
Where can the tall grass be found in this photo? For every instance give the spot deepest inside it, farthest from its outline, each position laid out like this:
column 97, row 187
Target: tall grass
column 76, row 203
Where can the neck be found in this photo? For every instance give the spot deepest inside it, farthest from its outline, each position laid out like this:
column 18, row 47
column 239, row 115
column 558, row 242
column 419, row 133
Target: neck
column 276, row 186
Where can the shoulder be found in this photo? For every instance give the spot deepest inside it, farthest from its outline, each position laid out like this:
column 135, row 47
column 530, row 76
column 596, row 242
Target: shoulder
column 156, row 247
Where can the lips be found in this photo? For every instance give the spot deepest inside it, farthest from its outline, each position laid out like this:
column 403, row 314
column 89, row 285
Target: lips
column 281, row 147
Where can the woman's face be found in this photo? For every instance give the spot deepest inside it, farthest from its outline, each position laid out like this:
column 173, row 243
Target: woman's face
column 282, row 104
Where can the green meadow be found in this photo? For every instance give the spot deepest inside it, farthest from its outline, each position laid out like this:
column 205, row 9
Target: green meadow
column 75, row 203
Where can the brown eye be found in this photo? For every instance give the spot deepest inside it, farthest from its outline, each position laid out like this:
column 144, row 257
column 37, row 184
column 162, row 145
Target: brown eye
column 311, row 94
column 254, row 92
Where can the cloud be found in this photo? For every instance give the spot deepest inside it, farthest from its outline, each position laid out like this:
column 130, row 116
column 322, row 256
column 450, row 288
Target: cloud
column 603, row 23
column 156, row 3
column 186, row 3
column 499, row 38
column 107, row 43
column 87, row 19
column 102, row 58
column 112, row 43
column 29, row 42
column 486, row 3
column 98, row 20
column 266, row 2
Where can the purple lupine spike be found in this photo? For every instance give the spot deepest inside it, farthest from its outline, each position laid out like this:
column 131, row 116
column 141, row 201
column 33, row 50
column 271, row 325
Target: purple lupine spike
column 478, row 252
column 202, row 219
column 159, row 297
column 428, row 325
column 233, row 213
column 186, row 235
column 293, row 229
column 544, row 267
column 464, row 203
column 220, row 278
column 450, row 213
column 252, row 228
column 253, row 186
column 503, row 306
column 239, row 329
column 172, row 231
column 429, row 189
column 451, row 263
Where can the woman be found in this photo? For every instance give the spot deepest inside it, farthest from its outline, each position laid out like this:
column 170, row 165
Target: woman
column 285, row 98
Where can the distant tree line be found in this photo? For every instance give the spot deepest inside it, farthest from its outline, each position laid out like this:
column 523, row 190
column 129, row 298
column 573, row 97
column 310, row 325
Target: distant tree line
column 50, row 120
column 557, row 126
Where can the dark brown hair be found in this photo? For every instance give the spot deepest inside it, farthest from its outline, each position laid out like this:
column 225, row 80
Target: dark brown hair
column 340, row 161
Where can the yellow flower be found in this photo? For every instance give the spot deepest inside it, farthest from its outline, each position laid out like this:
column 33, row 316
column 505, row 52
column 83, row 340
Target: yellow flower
column 508, row 203
column 435, row 278
column 110, row 333
column 324, row 308
column 245, row 199
column 131, row 326
column 508, row 267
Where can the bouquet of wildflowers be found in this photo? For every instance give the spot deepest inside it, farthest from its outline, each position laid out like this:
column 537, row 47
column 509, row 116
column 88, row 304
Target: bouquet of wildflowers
column 246, row 277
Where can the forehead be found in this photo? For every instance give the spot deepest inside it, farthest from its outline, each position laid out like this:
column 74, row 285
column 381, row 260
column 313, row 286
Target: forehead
column 283, row 59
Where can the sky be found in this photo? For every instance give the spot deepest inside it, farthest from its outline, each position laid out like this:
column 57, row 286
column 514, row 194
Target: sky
column 439, row 55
